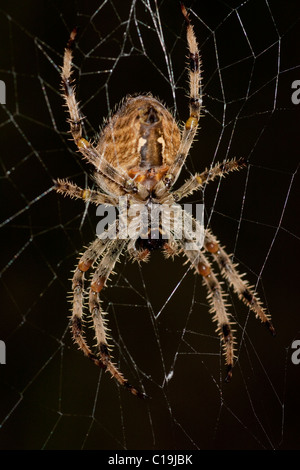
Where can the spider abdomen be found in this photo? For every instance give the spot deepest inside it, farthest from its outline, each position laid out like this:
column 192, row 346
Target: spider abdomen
column 141, row 135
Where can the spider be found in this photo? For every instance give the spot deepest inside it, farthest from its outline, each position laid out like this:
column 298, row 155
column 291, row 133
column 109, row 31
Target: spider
column 140, row 154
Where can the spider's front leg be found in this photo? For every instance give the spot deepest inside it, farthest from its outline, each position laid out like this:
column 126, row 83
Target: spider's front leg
column 86, row 148
column 195, row 103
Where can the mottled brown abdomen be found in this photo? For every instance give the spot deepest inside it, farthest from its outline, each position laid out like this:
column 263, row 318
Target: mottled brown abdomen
column 142, row 135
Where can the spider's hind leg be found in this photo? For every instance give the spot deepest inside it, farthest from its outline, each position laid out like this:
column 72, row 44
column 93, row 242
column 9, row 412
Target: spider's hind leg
column 85, row 262
column 235, row 279
column 112, row 251
column 216, row 299
column 102, row 272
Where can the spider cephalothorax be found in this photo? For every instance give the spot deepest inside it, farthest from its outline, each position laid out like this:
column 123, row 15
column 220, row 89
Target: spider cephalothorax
column 140, row 154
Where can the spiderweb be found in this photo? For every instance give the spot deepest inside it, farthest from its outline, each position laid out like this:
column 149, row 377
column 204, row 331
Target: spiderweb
column 163, row 337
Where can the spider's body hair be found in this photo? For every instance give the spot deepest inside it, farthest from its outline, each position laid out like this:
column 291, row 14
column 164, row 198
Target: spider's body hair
column 242, row 288
column 200, row 180
column 140, row 153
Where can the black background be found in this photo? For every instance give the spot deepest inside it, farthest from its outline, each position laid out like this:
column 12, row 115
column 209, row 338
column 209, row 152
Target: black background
column 51, row 396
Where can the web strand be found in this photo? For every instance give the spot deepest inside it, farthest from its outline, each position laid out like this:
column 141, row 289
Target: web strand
column 159, row 317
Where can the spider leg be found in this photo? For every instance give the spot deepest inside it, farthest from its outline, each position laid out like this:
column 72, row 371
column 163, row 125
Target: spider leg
column 197, row 181
column 195, row 103
column 84, row 146
column 171, row 248
column 104, row 269
column 67, row 188
column 86, row 261
column 216, row 300
column 240, row 286
column 137, row 254
column 110, row 250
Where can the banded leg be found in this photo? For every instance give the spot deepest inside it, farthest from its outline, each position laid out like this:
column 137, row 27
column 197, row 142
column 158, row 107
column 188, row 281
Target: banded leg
column 86, row 261
column 84, row 146
column 104, row 269
column 240, row 286
column 197, row 181
column 217, row 303
column 95, row 250
column 195, row 104
column 67, row 188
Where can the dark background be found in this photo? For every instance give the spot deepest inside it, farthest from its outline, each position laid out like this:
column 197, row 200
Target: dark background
column 51, row 396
